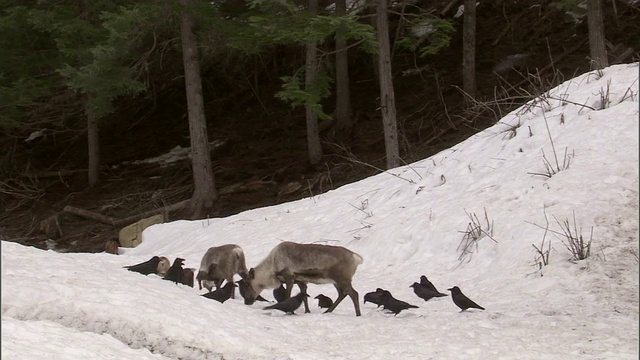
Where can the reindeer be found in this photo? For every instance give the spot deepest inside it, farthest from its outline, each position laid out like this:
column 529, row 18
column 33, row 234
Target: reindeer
column 219, row 264
column 291, row 263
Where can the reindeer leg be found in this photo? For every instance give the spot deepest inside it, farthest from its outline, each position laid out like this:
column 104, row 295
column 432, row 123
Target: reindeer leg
column 233, row 292
column 289, row 279
column 341, row 296
column 353, row 294
column 303, row 289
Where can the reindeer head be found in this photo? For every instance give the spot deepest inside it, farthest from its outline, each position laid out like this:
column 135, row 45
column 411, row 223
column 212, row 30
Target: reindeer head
column 202, row 275
column 206, row 276
column 249, row 288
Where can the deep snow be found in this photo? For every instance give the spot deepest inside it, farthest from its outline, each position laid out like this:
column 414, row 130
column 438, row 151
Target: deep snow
column 405, row 223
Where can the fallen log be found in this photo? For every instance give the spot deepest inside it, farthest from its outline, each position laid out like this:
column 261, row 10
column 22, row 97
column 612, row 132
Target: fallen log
column 125, row 221
column 250, row 186
column 89, row 215
column 246, row 187
column 134, row 218
column 53, row 173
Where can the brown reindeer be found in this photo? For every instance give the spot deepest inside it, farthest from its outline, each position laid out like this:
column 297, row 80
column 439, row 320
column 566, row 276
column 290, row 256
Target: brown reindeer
column 291, row 263
column 219, row 264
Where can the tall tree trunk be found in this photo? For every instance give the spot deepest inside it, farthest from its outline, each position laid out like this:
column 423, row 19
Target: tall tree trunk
column 311, row 68
column 469, row 50
column 204, row 191
column 93, row 148
column 372, row 4
column 597, row 47
column 93, row 128
column 387, row 97
column 343, row 97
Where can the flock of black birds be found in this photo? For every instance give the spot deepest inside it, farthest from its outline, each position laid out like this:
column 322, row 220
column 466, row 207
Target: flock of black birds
column 381, row 297
column 424, row 290
column 160, row 266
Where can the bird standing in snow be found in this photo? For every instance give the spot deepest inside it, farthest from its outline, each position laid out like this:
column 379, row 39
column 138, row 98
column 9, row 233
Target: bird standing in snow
column 426, row 283
column 145, row 268
column 289, row 305
column 324, row 302
column 392, row 304
column 425, row 293
column 223, row 294
column 374, row 297
column 462, row 301
column 175, row 272
column 280, row 293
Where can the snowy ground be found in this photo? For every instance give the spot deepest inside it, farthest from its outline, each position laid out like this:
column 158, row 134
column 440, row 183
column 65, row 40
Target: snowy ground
column 405, row 223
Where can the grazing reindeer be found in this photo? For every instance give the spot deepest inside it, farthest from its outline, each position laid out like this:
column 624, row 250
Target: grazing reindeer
column 219, row 264
column 301, row 264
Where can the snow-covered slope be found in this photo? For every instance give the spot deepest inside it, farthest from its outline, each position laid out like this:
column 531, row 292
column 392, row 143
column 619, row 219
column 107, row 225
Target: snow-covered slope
column 405, row 223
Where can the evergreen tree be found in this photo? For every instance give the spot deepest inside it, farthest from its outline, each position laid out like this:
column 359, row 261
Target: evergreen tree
column 469, row 50
column 204, row 191
column 597, row 47
column 343, row 96
column 387, row 94
column 284, row 23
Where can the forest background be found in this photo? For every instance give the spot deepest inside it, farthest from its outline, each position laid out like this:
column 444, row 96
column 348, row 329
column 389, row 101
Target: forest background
column 266, row 101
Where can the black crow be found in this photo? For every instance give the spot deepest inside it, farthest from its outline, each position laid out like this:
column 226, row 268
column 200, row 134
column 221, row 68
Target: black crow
column 392, row 304
column 426, row 283
column 462, row 301
column 223, row 294
column 425, row 293
column 280, row 293
column 374, row 297
column 289, row 305
column 324, row 301
column 175, row 271
column 148, row 267
column 242, row 288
